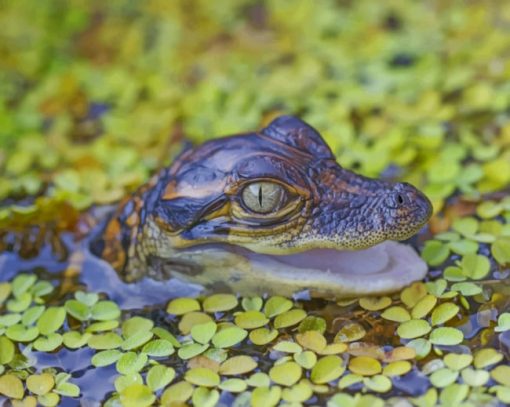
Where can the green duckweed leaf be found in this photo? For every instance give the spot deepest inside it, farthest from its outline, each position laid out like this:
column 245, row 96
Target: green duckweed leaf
column 137, row 340
column 164, row 334
column 421, row 346
column 501, row 374
column 191, row 319
column 203, row 333
column 446, row 336
column 10, row 319
column 189, row 351
column 181, row 306
column 413, row 328
column 378, row 383
column 51, row 320
column 220, row 303
column 159, row 376
column 78, row 310
column 475, row 378
column 412, row 294
column 251, row 319
column 109, row 340
column 75, row 340
column 88, row 299
column 454, row 273
column 5, row 291
column 106, row 357
column 233, row 385
column 48, row 343
column 475, row 266
column 205, row 397
column 454, row 394
column 349, row 380
column 306, row 359
column 299, row 393
column 398, row 368
column 277, row 305
column 489, row 209
column 263, row 336
column 130, row 363
column 137, row 395
column 288, row 347
column 32, row 314
column 177, row 393
column 20, row 304
column 503, row 393
column 350, row 332
column 486, row 357
column 237, row 365
column 124, row 381
column 327, row 369
column 201, row 376
column 467, row 289
column 457, row 361
column 20, row 333
column 463, row 247
column 22, row 283
column 374, row 303
column 443, row 377
column 312, row 340
column 6, row 350
column 135, row 325
column 435, row 252
column 104, row 311
column 286, row 374
column 259, row 379
column 11, row 386
column 289, row 318
column 40, row 289
column 158, row 348
column 503, row 322
column 466, row 226
column 48, row 399
column 365, row 366
column 68, row 390
column 102, row 326
column 252, row 303
column 312, row 323
column 443, row 313
column 229, row 337
column 437, row 287
column 424, row 306
column 266, row 396
column 40, row 383
column 500, row 249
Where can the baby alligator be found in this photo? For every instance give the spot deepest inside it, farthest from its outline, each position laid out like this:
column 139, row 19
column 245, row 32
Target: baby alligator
column 267, row 211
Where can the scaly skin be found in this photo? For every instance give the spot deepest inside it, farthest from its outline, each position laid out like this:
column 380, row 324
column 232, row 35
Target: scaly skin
column 197, row 201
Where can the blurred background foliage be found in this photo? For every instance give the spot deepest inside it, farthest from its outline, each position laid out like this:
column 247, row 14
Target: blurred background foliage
column 95, row 95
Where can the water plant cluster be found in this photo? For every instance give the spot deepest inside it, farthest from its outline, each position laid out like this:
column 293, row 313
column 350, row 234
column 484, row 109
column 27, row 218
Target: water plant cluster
column 95, row 96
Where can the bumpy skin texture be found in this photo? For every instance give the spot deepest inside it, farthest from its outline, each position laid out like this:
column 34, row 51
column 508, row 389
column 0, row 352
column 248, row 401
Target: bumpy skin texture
column 198, row 200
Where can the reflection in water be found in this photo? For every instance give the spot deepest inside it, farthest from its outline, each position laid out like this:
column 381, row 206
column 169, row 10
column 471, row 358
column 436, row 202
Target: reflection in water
column 99, row 276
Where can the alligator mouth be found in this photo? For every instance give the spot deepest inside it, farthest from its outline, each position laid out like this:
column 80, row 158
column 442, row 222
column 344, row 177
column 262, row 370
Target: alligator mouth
column 383, row 268
column 326, row 273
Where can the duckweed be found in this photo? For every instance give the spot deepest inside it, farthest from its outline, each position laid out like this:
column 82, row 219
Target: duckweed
column 105, row 113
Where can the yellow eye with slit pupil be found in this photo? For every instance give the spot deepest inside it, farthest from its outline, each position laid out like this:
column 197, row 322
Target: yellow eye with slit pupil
column 262, row 197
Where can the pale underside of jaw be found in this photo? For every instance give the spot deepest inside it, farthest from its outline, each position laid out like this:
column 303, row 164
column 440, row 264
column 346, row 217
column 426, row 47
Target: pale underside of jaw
column 384, row 268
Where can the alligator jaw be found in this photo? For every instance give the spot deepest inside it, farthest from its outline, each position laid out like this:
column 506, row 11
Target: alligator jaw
column 384, row 268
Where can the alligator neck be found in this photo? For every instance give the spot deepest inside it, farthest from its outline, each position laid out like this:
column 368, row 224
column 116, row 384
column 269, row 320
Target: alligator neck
column 125, row 240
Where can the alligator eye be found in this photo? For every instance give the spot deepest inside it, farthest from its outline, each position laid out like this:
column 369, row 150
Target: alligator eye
column 262, row 197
